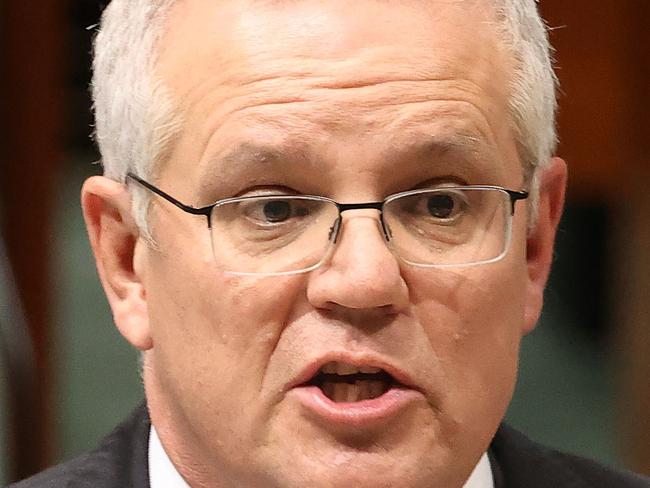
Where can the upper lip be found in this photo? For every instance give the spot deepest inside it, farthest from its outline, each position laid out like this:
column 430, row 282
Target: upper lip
column 358, row 360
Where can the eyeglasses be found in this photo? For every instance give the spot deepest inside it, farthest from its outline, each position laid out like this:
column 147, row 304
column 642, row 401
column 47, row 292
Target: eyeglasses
column 441, row 227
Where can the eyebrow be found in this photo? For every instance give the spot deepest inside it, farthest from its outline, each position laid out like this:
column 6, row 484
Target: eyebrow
column 248, row 152
column 258, row 154
column 462, row 144
column 251, row 156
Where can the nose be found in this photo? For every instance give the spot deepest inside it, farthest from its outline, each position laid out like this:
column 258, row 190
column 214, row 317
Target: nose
column 362, row 273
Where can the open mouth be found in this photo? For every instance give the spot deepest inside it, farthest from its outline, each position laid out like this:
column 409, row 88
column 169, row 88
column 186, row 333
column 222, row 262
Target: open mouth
column 346, row 383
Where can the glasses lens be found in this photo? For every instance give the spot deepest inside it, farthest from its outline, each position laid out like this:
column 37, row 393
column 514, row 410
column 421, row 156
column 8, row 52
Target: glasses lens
column 274, row 234
column 449, row 226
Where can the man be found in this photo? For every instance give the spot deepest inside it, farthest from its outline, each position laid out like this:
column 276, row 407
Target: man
column 327, row 227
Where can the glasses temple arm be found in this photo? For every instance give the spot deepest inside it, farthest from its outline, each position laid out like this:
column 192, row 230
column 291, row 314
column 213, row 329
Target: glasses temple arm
column 186, row 208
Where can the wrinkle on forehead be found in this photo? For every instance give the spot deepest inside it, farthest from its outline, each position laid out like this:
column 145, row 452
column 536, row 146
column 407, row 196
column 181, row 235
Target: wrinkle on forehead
column 395, row 106
column 393, row 116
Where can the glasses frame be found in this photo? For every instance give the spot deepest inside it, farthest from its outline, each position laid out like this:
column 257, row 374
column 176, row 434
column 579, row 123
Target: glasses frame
column 206, row 211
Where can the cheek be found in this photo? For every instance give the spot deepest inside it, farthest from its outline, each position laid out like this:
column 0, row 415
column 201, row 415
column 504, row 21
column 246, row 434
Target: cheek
column 472, row 321
column 213, row 335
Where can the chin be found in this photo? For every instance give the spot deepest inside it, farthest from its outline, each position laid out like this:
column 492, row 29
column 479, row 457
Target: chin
column 345, row 467
column 364, row 476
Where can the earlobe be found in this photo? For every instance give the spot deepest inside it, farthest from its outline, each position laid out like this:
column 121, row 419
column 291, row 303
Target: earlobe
column 541, row 239
column 114, row 238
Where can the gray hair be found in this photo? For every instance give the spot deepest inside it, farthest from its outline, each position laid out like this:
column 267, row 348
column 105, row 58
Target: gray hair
column 136, row 121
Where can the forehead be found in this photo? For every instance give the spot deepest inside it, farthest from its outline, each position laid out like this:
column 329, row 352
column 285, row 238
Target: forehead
column 308, row 67
column 347, row 42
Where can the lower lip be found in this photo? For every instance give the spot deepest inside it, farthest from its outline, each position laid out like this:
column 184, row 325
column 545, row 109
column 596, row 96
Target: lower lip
column 364, row 413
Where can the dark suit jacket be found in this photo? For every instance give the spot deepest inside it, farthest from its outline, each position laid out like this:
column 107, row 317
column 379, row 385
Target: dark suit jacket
column 121, row 461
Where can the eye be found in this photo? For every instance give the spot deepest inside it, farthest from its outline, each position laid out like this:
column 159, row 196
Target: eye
column 276, row 211
column 441, row 206
column 447, row 205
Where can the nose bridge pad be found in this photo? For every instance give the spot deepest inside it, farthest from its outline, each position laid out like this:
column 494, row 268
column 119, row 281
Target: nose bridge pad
column 334, row 231
column 388, row 235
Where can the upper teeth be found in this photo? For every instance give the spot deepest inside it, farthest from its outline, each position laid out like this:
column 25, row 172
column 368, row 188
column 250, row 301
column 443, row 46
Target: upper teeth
column 345, row 369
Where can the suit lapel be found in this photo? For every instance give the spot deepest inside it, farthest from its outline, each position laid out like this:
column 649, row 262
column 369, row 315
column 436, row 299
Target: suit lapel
column 121, row 460
column 518, row 462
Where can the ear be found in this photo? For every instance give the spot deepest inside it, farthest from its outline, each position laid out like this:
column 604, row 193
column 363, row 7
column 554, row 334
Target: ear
column 541, row 238
column 114, row 238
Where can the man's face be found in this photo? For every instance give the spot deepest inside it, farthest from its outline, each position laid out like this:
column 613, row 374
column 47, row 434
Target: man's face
column 353, row 101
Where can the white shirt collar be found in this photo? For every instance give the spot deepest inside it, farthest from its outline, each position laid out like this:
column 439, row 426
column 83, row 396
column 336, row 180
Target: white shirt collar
column 481, row 477
column 163, row 474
